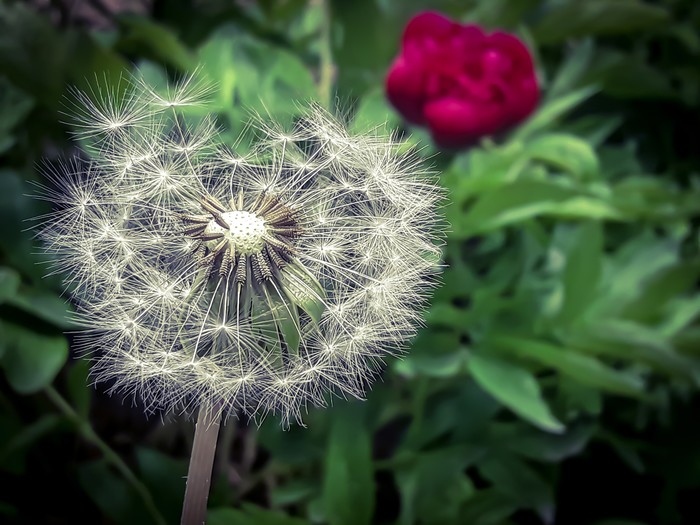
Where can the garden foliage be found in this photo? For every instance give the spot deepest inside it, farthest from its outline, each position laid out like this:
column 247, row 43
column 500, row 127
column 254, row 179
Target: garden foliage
column 556, row 378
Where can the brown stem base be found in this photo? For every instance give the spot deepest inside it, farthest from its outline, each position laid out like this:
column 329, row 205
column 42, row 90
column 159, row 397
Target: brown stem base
column 194, row 509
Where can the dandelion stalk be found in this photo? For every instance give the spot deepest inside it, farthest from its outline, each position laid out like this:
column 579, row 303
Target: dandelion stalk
column 194, row 509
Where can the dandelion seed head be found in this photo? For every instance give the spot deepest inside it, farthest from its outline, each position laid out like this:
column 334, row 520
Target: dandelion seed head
column 258, row 282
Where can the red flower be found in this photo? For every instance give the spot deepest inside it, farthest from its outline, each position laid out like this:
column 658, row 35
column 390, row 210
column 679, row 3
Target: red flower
column 459, row 81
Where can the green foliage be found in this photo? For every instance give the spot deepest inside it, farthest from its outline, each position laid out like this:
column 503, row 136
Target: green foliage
column 515, row 387
column 251, row 76
column 348, row 497
column 250, row 515
column 31, row 359
column 572, row 19
column 564, row 334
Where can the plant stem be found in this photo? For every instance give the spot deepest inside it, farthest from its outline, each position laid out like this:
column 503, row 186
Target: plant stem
column 85, row 428
column 194, row 509
column 326, row 66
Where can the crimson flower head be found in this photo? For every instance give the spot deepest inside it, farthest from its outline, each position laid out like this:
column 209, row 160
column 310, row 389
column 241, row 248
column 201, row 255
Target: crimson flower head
column 459, row 81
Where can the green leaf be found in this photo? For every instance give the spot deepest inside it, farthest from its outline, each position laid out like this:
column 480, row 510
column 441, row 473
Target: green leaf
column 295, row 446
column 374, row 112
column 632, row 273
column 585, row 208
column 117, row 500
column 9, row 283
column 145, row 36
column 582, row 273
column 525, row 199
column 348, row 485
column 253, row 76
column 15, row 105
column 434, row 486
column 434, row 353
column 286, row 320
column 571, row 19
column 77, row 384
column 550, row 112
column 288, row 324
column 483, row 169
column 292, row 493
column 515, row 202
column 628, row 450
column 14, row 449
column 660, row 291
column 250, row 515
column 31, row 359
column 439, row 409
column 24, row 35
column 519, row 482
column 219, row 63
column 165, row 479
column 288, row 79
column 572, row 70
column 44, row 305
column 444, row 314
column 585, row 369
column 481, row 407
column 633, row 342
column 487, row 507
column 41, row 58
column 595, row 130
column 304, row 290
column 681, row 314
column 566, row 152
column 618, row 75
column 507, row 14
column 515, row 387
column 439, row 365
column 366, row 39
column 580, row 399
column 540, row 446
column 15, row 208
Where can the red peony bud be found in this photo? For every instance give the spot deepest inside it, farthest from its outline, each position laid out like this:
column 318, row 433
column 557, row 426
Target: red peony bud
column 459, row 81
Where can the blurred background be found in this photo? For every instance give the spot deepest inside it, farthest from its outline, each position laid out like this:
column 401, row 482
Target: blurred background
column 556, row 379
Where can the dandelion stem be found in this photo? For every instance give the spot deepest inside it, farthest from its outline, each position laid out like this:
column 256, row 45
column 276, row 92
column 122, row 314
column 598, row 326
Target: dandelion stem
column 326, row 67
column 85, row 428
column 206, row 433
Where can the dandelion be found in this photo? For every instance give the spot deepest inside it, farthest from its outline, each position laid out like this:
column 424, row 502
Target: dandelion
column 238, row 283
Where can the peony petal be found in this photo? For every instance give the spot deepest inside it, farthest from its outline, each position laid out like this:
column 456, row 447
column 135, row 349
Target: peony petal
column 428, row 24
column 523, row 100
column 469, row 37
column 405, row 85
column 515, row 50
column 456, row 123
column 496, row 63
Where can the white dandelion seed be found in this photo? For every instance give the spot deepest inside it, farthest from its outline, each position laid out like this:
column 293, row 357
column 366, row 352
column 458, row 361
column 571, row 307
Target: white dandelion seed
column 255, row 283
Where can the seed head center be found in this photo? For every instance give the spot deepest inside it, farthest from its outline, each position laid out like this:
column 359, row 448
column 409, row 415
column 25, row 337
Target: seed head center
column 244, row 238
column 246, row 231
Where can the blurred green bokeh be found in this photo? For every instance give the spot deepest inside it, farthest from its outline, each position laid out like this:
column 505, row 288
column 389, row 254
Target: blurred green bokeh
column 556, row 379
